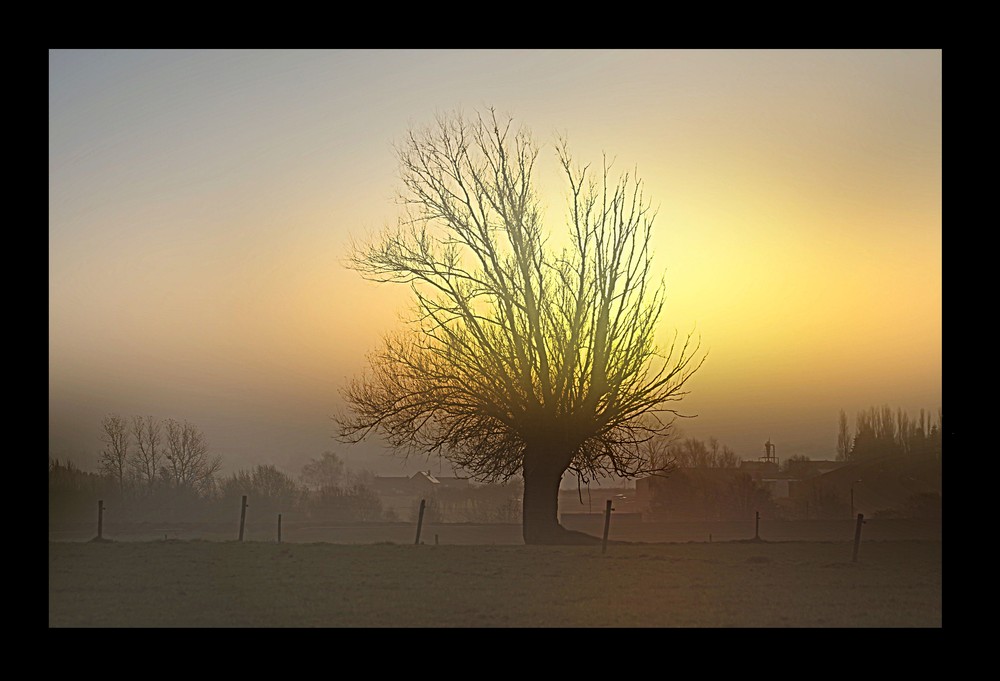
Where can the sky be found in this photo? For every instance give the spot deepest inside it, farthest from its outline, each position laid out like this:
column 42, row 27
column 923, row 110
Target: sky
column 202, row 204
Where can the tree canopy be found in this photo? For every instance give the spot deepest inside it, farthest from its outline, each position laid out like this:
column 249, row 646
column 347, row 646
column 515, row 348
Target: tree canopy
column 520, row 358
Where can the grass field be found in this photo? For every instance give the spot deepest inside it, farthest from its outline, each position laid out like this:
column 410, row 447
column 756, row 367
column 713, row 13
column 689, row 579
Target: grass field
column 198, row 583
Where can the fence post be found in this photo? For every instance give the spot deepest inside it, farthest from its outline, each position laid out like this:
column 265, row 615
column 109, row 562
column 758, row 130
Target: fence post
column 420, row 520
column 243, row 515
column 857, row 536
column 607, row 524
column 756, row 531
column 279, row 528
column 100, row 518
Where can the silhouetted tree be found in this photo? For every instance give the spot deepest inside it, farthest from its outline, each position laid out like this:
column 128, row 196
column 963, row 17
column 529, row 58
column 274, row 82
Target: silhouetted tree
column 189, row 466
column 146, row 458
column 73, row 492
column 843, row 438
column 881, row 432
column 933, row 442
column 270, row 489
column 920, row 437
column 705, row 484
column 694, row 453
column 723, row 456
column 326, row 471
column 786, row 465
column 520, row 359
column 115, row 457
column 658, row 453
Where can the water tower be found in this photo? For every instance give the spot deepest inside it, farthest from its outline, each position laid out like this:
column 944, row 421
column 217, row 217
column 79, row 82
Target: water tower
column 769, row 456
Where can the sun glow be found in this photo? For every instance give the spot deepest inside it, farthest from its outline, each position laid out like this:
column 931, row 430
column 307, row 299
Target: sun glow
column 202, row 205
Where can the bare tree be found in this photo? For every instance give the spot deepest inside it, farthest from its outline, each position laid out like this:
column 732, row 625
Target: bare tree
column 694, row 453
column 787, row 464
column 146, row 459
column 875, row 434
column 271, row 489
column 328, row 471
column 843, row 438
column 114, row 457
column 188, row 466
column 726, row 457
column 520, row 359
column 657, row 451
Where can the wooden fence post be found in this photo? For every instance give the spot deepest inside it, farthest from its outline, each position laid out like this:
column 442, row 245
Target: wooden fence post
column 279, row 528
column 607, row 524
column 243, row 515
column 857, row 536
column 756, row 532
column 100, row 518
column 420, row 520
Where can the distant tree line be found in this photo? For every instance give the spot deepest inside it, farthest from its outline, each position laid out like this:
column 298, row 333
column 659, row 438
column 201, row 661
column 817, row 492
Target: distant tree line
column 890, row 450
column 884, row 432
column 694, row 453
column 483, row 503
column 144, row 456
column 704, row 482
column 162, row 470
column 72, row 491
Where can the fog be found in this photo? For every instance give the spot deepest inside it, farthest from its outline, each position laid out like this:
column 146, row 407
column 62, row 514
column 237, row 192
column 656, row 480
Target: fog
column 202, row 203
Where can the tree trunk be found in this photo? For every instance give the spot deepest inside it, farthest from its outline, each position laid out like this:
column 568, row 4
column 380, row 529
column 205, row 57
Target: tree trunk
column 543, row 471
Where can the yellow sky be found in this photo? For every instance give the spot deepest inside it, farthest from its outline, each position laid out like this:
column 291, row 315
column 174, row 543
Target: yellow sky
column 201, row 203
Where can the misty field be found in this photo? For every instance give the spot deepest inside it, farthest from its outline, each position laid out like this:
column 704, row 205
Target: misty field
column 199, row 583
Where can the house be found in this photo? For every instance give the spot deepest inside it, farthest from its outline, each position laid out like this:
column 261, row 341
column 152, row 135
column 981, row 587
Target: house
column 401, row 495
column 421, row 482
